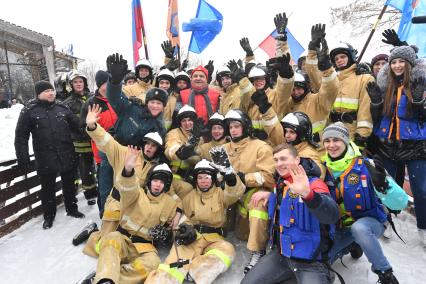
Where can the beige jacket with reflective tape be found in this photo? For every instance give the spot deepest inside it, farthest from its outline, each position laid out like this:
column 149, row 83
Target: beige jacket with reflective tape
column 138, row 89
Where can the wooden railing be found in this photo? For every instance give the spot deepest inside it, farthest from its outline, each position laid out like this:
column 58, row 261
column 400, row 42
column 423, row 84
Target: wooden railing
column 19, row 196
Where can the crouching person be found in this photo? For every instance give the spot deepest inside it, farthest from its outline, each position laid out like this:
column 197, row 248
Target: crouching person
column 200, row 237
column 128, row 255
column 301, row 213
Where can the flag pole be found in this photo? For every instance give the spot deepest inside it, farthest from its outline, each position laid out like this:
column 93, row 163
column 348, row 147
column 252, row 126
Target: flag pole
column 371, row 33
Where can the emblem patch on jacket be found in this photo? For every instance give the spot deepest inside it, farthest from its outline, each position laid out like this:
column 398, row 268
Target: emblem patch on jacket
column 353, row 179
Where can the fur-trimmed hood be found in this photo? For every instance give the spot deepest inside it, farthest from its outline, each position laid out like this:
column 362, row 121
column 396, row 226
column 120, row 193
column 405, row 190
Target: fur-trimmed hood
column 419, row 70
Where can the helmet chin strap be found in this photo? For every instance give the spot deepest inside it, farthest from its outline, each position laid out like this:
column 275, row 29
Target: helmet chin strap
column 155, row 194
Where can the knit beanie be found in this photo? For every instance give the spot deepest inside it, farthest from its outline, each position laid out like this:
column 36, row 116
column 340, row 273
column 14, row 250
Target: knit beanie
column 101, row 77
column 378, row 57
column 202, row 69
column 42, row 86
column 336, row 130
column 408, row 53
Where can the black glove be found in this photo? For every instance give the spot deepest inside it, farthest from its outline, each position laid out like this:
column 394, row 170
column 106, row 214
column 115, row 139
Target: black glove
column 84, row 234
column 378, row 175
column 117, row 67
column 281, row 21
column 240, row 63
column 197, row 131
column 135, row 100
column 360, row 141
column 230, row 179
column 248, row 67
column 261, row 100
column 245, row 44
column 242, row 177
column 374, row 93
column 282, row 64
column 236, row 72
column 317, row 35
column 362, row 68
column 173, row 64
column 220, row 157
column 161, row 234
column 210, row 69
column 167, row 48
column 324, row 61
column 185, row 235
column 418, row 89
column 186, row 151
column 391, row 37
column 184, row 65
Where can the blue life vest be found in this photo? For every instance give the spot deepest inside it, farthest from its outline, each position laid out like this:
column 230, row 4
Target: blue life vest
column 300, row 230
column 356, row 192
column 406, row 128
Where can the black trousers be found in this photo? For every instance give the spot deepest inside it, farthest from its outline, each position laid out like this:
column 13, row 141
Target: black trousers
column 86, row 167
column 48, row 196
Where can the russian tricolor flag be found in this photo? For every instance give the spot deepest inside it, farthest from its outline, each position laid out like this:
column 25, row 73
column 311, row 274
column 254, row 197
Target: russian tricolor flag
column 137, row 24
column 268, row 45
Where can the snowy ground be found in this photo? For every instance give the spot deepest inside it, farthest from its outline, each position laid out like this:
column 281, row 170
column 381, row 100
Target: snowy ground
column 33, row 255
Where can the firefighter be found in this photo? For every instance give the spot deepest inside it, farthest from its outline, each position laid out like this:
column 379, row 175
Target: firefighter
column 144, row 78
column 230, row 96
column 216, row 128
column 252, row 159
column 200, row 238
column 181, row 148
column 166, row 80
column 86, row 165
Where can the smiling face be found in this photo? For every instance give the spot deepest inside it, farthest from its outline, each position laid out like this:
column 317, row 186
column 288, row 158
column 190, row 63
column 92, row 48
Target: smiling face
column 155, row 107
column 182, row 85
column 297, row 92
column 187, row 123
column 199, row 80
column 259, row 83
column 143, row 72
column 226, row 81
column 164, row 84
column 377, row 66
column 397, row 66
column 334, row 146
column 283, row 160
column 217, row 132
column 78, row 84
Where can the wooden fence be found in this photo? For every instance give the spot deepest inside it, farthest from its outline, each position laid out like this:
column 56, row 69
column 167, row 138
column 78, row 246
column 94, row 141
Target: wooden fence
column 19, row 195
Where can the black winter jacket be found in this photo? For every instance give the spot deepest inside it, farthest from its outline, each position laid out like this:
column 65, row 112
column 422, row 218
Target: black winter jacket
column 75, row 102
column 50, row 125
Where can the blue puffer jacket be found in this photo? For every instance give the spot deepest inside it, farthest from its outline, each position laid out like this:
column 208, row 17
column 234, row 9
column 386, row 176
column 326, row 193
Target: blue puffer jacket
column 134, row 120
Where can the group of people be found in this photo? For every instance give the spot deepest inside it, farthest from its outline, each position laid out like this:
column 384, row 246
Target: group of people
column 306, row 161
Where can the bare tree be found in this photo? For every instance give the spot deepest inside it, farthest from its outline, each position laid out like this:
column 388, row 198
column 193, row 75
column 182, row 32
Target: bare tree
column 360, row 14
column 89, row 68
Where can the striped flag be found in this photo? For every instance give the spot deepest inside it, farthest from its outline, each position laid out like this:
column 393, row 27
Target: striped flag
column 137, row 25
column 173, row 23
column 268, row 45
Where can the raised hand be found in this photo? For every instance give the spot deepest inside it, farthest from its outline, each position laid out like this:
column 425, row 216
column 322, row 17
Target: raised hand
column 300, row 184
column 237, row 73
column 210, row 69
column 282, row 64
column 131, row 159
column 220, row 157
column 260, row 99
column 173, row 64
column 92, row 117
column 392, row 38
column 317, row 35
column 324, row 61
column 245, row 44
column 281, row 21
column 184, row 65
column 374, row 93
column 117, row 67
column 167, row 48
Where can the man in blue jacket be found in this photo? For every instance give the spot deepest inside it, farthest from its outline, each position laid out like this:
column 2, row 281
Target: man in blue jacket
column 301, row 214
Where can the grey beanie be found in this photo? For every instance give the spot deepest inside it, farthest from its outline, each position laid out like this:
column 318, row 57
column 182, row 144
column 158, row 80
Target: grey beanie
column 337, row 130
column 406, row 52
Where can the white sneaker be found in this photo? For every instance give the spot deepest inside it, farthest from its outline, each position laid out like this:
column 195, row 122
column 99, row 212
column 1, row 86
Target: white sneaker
column 422, row 236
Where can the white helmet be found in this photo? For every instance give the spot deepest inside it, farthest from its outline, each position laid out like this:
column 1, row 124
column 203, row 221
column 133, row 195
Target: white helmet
column 144, row 63
column 256, row 72
column 154, row 137
column 74, row 74
column 161, row 172
column 186, row 111
column 203, row 167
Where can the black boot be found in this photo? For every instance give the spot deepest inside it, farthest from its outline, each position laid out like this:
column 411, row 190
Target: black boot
column 76, row 214
column 89, row 278
column 386, row 277
column 84, row 234
column 48, row 222
column 355, row 251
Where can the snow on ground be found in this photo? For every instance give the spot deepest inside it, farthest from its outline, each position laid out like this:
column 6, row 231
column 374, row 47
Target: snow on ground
column 8, row 119
column 33, row 255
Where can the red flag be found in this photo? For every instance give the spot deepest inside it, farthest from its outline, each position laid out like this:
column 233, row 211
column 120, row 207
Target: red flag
column 173, row 23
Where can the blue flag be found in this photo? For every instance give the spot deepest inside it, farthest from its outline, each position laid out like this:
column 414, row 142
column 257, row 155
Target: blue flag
column 413, row 34
column 206, row 25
